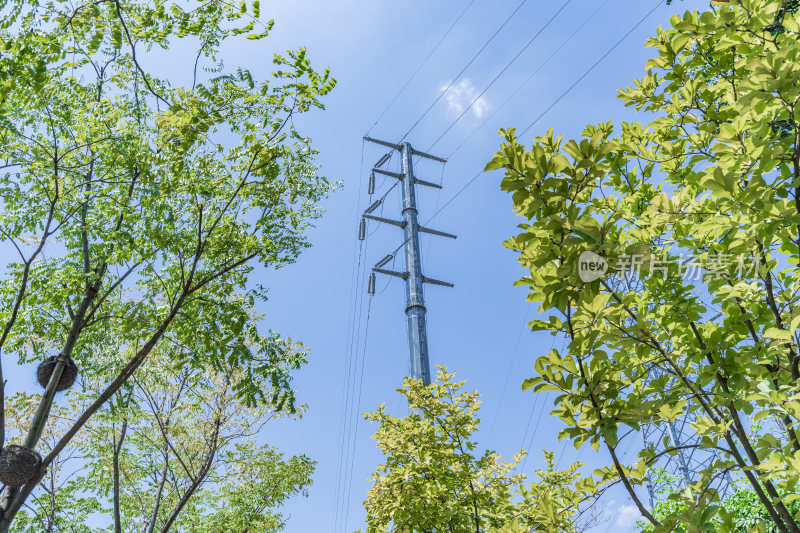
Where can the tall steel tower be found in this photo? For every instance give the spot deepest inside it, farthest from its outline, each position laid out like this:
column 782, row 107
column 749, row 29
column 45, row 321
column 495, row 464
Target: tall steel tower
column 418, row 360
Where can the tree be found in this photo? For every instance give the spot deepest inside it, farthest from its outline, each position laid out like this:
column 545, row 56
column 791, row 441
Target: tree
column 435, row 480
column 713, row 177
column 176, row 450
column 137, row 207
column 741, row 512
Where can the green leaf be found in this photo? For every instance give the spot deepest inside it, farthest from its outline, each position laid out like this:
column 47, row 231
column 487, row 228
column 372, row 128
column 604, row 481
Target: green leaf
column 776, row 333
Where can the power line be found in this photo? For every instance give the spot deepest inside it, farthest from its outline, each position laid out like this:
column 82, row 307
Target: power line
column 561, row 453
column 533, row 435
column 355, row 375
column 355, row 283
column 529, row 78
column 608, row 53
column 352, row 416
column 435, row 207
column 351, row 421
column 505, row 68
column 357, row 251
column 390, row 189
column 561, row 97
column 438, row 211
column 551, row 106
column 349, row 478
column 508, row 374
column 347, row 437
column 539, row 417
column 614, row 522
column 456, row 195
column 527, row 310
column 408, row 81
column 345, row 395
column 474, row 57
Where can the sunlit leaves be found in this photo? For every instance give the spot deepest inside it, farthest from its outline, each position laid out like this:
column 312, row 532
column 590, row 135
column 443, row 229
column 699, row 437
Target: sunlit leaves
column 435, row 479
column 710, row 179
column 137, row 207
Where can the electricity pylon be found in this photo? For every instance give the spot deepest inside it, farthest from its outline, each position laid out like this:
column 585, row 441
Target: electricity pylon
column 419, row 364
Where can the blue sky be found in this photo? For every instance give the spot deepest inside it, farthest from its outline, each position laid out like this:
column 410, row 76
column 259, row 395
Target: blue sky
column 478, row 328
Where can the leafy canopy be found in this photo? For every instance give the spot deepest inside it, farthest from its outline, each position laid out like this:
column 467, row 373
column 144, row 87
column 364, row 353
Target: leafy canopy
column 136, row 207
column 711, row 178
column 175, row 450
column 435, row 478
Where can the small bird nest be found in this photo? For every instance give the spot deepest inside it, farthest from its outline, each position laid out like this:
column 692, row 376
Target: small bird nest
column 18, row 465
column 68, row 375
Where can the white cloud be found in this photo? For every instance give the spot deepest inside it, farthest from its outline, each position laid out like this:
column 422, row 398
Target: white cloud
column 460, row 95
column 627, row 515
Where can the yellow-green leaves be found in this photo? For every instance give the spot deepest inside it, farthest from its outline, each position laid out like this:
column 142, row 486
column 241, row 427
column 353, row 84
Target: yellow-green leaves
column 433, row 479
column 775, row 333
column 696, row 208
column 588, row 229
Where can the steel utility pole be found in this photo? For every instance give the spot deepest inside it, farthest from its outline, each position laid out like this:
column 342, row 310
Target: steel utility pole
column 418, row 359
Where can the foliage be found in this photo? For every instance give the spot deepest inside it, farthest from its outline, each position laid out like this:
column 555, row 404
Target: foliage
column 176, row 451
column 136, row 207
column 696, row 213
column 741, row 512
column 434, row 478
